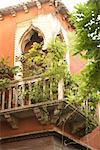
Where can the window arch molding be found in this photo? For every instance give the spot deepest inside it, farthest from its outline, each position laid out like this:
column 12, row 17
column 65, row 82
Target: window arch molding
column 23, row 33
column 28, row 34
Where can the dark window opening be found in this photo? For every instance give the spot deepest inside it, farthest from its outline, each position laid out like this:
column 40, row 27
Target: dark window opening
column 60, row 36
column 35, row 38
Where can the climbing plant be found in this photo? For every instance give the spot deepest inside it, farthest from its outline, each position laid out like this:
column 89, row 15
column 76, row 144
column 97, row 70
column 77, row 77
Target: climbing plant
column 83, row 98
column 47, row 63
column 78, row 93
column 50, row 63
column 6, row 73
column 86, row 19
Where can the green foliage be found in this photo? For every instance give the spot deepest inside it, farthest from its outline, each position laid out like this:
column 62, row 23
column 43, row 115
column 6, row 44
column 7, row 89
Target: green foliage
column 81, row 95
column 91, row 75
column 4, row 83
column 87, row 22
column 56, row 60
column 87, row 43
column 51, row 64
column 48, row 63
column 6, row 73
column 33, row 61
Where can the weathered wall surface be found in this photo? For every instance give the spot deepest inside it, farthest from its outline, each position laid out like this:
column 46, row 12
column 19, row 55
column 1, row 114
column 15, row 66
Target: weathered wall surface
column 25, row 125
column 43, row 143
column 93, row 139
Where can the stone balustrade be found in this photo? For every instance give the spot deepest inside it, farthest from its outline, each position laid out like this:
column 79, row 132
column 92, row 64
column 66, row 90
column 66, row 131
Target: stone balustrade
column 28, row 91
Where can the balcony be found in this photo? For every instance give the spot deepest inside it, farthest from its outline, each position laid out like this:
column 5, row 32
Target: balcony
column 47, row 104
column 19, row 95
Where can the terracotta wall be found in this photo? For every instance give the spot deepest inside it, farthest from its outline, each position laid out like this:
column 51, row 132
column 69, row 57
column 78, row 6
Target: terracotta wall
column 76, row 64
column 25, row 125
column 93, row 139
column 8, row 29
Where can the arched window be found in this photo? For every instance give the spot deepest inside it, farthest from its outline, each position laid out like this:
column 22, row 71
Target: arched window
column 60, row 36
column 30, row 37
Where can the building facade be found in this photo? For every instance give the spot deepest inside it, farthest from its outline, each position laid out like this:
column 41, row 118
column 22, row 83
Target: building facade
column 24, row 126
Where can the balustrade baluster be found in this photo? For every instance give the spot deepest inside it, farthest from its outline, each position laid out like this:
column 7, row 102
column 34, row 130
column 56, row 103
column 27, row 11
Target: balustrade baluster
column 15, row 96
column 30, row 88
column 22, row 99
column 61, row 90
column 3, row 100
column 44, row 88
column 51, row 93
column 10, row 98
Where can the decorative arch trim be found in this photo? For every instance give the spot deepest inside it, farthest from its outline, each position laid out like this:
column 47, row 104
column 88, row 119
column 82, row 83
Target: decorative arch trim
column 27, row 35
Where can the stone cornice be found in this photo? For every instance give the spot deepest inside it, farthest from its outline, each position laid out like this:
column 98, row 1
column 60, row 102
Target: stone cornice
column 12, row 10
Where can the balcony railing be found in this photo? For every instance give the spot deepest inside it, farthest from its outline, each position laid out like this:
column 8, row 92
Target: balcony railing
column 28, row 91
column 44, row 97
